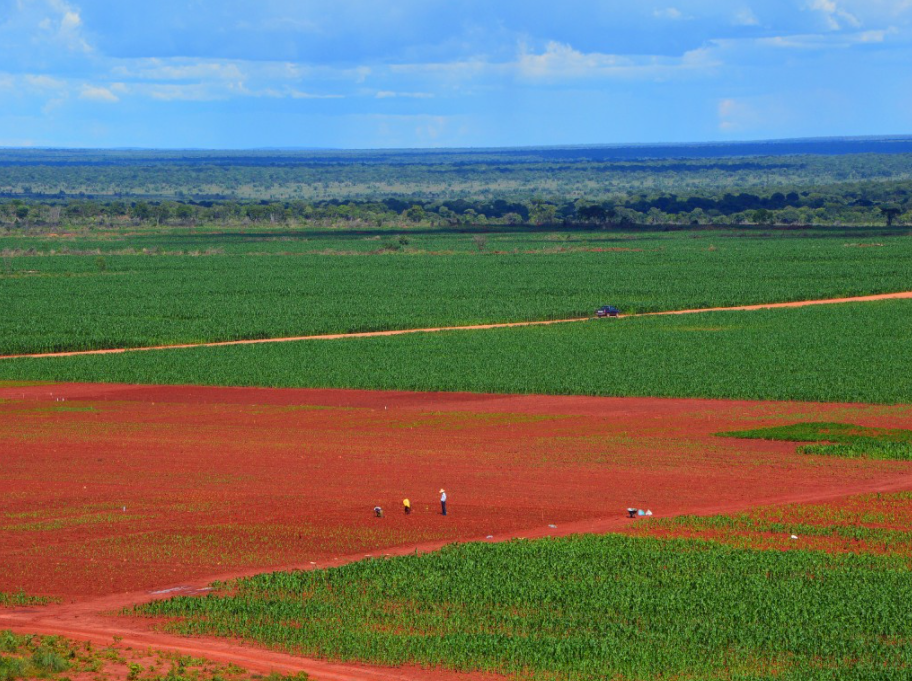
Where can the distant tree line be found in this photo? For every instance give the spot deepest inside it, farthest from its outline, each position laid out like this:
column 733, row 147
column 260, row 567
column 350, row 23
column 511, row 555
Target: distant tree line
column 480, row 176
column 873, row 203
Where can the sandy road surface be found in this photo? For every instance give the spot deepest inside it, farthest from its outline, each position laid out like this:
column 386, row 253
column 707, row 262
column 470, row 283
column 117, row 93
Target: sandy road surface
column 93, row 621
column 400, row 332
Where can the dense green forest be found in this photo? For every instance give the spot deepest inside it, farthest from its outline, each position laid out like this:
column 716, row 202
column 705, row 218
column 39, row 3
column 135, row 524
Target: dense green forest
column 810, row 183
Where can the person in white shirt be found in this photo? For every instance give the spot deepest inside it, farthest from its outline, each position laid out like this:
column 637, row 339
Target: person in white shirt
column 443, row 502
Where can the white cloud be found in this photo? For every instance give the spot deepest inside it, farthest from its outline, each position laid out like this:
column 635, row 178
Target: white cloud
column 170, row 93
column 814, row 41
column 756, row 115
column 672, row 13
column 563, row 61
column 43, row 82
column 746, row 17
column 560, row 61
column 432, row 129
column 95, row 93
column 729, row 111
column 42, row 34
column 556, row 63
column 415, row 130
column 833, row 16
column 180, row 69
column 65, row 27
column 207, row 91
column 298, row 94
column 389, row 94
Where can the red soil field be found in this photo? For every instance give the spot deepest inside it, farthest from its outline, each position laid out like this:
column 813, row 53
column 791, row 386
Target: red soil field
column 113, row 488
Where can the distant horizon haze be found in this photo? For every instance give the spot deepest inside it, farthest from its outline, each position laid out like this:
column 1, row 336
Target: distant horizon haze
column 832, row 144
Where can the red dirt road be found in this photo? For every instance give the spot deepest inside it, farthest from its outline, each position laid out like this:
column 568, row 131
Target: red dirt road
column 399, row 332
column 111, row 495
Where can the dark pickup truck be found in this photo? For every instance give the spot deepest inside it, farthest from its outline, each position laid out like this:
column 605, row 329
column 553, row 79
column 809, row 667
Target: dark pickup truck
column 607, row 311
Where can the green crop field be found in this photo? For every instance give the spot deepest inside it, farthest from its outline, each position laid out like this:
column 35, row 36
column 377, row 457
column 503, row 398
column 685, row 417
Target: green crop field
column 854, row 352
column 583, row 608
column 85, row 302
column 850, row 441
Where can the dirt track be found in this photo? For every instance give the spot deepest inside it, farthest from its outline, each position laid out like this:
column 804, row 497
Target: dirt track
column 400, row 332
column 667, row 454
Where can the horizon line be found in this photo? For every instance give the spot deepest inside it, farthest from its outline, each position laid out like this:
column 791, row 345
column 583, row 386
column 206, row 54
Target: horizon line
column 594, row 145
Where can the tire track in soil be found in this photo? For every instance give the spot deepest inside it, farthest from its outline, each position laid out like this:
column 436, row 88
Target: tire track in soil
column 92, row 620
column 475, row 327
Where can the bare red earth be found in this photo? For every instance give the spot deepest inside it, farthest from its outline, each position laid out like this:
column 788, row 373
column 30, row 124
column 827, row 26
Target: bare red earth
column 110, row 489
column 115, row 494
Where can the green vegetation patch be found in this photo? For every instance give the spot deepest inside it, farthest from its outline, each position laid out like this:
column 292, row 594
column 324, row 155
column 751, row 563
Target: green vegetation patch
column 885, row 451
column 821, row 431
column 848, row 441
column 584, row 607
column 21, row 599
column 52, row 657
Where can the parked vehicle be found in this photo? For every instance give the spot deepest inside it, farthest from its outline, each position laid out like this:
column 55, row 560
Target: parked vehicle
column 607, row 311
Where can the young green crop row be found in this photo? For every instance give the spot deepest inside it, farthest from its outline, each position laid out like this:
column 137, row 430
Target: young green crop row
column 53, row 657
column 823, row 431
column 852, row 442
column 18, row 598
column 83, row 302
column 883, row 451
column 727, row 528
column 834, row 353
column 874, row 523
column 584, row 607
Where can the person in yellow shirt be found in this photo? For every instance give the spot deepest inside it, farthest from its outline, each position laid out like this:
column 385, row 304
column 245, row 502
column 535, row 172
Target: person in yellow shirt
column 406, row 504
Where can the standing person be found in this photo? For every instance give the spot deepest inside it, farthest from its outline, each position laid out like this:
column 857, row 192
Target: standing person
column 406, row 504
column 443, row 502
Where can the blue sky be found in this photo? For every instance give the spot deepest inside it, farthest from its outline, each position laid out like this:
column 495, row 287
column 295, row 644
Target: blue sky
column 456, row 73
